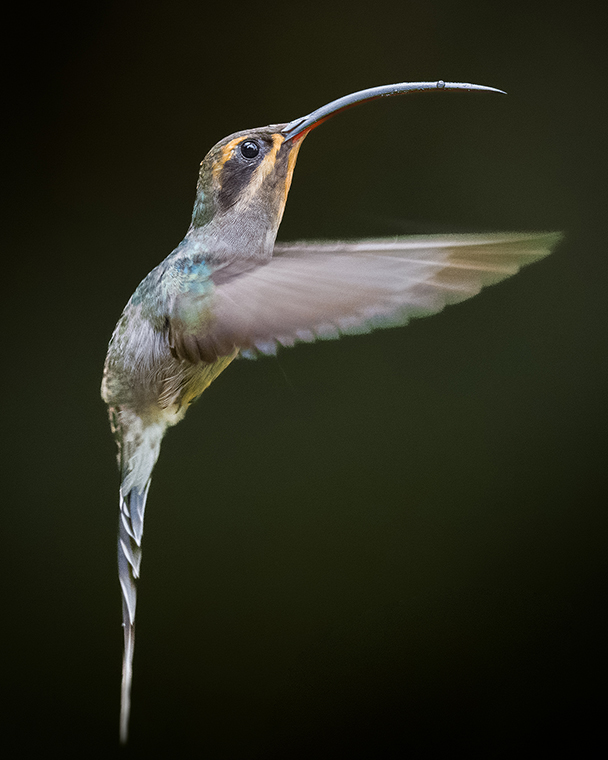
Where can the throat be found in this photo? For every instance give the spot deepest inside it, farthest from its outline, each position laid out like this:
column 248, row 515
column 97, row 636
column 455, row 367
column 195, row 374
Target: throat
column 237, row 233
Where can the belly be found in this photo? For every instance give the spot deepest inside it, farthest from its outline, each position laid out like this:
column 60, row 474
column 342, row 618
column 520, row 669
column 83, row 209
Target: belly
column 202, row 378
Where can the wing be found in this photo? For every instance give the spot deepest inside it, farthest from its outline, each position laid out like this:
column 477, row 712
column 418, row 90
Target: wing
column 323, row 290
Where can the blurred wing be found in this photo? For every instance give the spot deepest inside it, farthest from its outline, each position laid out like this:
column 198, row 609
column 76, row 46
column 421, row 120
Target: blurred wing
column 323, row 290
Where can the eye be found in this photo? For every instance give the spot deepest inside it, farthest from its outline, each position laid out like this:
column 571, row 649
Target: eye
column 250, row 149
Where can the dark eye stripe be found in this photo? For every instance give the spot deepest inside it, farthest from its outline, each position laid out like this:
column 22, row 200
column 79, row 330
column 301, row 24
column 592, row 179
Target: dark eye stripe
column 235, row 175
column 234, row 178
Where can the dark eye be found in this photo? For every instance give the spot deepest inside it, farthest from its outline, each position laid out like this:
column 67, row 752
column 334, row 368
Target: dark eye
column 250, row 149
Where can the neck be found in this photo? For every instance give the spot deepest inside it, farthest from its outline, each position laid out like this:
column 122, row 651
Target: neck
column 240, row 233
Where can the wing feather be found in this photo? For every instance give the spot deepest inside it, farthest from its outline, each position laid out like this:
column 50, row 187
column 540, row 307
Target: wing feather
column 322, row 290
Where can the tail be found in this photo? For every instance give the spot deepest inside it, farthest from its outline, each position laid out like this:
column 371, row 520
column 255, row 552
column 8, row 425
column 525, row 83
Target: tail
column 139, row 447
column 130, row 528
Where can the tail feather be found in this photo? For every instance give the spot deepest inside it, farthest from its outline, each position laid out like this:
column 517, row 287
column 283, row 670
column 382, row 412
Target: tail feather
column 139, row 450
column 127, row 676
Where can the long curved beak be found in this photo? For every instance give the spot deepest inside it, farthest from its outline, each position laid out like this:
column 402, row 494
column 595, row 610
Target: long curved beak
column 306, row 123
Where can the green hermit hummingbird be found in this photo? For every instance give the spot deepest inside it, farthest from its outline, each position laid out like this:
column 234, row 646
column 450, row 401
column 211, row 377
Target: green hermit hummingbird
column 229, row 289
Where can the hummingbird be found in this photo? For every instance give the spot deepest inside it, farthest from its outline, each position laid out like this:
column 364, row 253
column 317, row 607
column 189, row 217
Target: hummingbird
column 229, row 289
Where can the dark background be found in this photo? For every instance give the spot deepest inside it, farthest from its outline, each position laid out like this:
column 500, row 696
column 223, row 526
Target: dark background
column 387, row 544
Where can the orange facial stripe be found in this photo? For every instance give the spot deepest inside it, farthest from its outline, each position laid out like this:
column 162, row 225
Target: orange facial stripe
column 225, row 155
column 271, row 159
column 291, row 163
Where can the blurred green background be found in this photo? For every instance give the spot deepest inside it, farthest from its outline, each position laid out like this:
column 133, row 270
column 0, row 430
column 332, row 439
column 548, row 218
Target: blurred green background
column 387, row 544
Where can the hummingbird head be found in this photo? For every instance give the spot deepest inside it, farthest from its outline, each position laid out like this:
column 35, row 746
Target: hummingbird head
column 244, row 180
column 243, row 185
